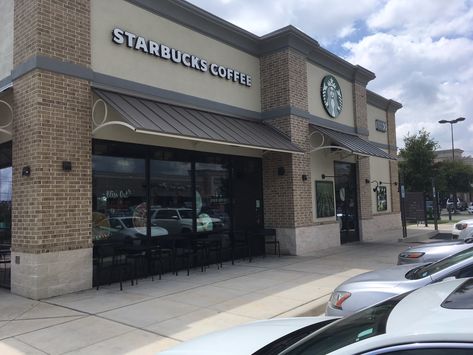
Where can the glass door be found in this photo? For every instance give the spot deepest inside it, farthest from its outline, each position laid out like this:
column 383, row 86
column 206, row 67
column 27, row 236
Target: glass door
column 346, row 201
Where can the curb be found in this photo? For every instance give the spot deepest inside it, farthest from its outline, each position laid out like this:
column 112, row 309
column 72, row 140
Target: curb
column 310, row 309
column 419, row 237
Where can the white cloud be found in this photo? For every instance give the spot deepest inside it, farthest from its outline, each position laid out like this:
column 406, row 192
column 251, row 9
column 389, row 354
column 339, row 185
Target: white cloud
column 421, row 51
column 320, row 19
column 424, row 18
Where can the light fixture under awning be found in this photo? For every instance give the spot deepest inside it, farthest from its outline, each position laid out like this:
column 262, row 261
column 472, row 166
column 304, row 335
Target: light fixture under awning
column 157, row 118
column 354, row 144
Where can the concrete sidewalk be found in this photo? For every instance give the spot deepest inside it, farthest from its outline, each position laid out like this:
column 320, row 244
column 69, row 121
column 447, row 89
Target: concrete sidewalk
column 152, row 316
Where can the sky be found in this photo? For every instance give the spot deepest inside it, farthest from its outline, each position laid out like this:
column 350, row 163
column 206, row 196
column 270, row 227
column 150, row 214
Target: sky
column 420, row 50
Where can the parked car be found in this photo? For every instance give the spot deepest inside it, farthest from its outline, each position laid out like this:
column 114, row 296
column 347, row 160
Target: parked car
column 470, row 209
column 431, row 252
column 458, row 227
column 179, row 220
column 371, row 287
column 124, row 228
column 432, row 320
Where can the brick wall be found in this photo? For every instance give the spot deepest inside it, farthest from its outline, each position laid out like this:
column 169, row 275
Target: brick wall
column 393, row 165
column 54, row 28
column 361, row 121
column 51, row 208
column 284, row 80
column 287, row 198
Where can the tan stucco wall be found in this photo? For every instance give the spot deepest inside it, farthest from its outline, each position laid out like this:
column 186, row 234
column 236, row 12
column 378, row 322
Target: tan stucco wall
column 320, row 163
column 374, row 114
column 126, row 63
column 119, row 133
column 6, row 44
column 314, row 79
column 379, row 171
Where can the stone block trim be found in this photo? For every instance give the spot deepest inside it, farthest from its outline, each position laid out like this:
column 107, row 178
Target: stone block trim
column 364, row 193
column 39, row 276
column 52, row 207
column 360, row 106
column 53, row 28
column 296, row 210
column 284, row 80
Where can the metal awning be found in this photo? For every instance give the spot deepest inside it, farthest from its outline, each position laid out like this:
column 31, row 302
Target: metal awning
column 353, row 144
column 157, row 118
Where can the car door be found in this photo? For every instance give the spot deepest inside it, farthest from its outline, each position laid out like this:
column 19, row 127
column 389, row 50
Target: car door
column 168, row 219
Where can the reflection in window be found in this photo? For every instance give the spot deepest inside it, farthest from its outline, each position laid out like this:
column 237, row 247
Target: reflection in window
column 119, row 199
column 212, row 196
column 171, row 196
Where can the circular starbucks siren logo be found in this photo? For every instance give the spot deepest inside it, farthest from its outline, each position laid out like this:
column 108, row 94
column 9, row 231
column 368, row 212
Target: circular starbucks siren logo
column 331, row 96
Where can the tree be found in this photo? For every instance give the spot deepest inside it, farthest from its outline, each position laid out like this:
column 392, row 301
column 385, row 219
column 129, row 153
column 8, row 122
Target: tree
column 417, row 161
column 453, row 176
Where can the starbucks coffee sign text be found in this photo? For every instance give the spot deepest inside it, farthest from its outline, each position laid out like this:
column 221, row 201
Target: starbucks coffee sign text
column 147, row 46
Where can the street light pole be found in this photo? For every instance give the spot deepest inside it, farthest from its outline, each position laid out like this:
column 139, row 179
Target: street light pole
column 452, row 122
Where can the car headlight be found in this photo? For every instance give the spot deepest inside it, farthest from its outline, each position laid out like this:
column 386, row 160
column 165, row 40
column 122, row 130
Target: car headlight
column 338, row 297
column 411, row 254
column 461, row 226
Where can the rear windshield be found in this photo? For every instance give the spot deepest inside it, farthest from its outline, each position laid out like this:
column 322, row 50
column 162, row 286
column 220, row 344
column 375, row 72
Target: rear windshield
column 461, row 298
column 357, row 327
column 427, row 270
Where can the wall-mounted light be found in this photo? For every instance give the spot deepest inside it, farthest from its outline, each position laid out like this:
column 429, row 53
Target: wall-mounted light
column 26, row 171
column 304, row 177
column 368, row 181
column 66, row 166
column 281, row 171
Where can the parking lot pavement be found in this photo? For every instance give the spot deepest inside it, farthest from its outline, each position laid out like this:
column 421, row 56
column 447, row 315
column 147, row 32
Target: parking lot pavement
column 154, row 315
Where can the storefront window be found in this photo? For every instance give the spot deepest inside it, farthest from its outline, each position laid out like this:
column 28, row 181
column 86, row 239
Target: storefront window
column 5, row 212
column 119, row 199
column 212, row 195
column 171, row 196
column 186, row 191
column 381, row 198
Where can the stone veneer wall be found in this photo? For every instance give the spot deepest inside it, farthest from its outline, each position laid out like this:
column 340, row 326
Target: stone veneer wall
column 306, row 240
column 51, row 217
column 382, row 227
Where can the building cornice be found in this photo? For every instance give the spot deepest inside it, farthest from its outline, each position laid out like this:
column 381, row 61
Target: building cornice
column 201, row 21
column 384, row 104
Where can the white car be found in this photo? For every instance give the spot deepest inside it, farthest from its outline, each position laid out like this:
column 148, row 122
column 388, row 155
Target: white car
column 470, row 209
column 179, row 220
column 126, row 227
column 371, row 287
column 436, row 319
column 458, row 227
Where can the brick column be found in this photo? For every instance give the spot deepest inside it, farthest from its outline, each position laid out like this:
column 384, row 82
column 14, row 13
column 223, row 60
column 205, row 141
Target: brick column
column 51, row 217
column 361, row 122
column 393, row 164
column 287, row 198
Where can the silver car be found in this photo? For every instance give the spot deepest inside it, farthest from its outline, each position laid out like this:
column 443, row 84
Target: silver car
column 431, row 252
column 433, row 320
column 369, row 288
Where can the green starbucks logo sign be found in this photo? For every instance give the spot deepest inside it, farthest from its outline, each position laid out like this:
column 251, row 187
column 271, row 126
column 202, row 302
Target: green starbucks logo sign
column 331, row 96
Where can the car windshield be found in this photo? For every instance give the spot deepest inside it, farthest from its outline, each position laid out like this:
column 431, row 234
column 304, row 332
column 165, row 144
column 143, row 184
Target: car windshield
column 185, row 213
column 430, row 269
column 128, row 222
column 357, row 327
